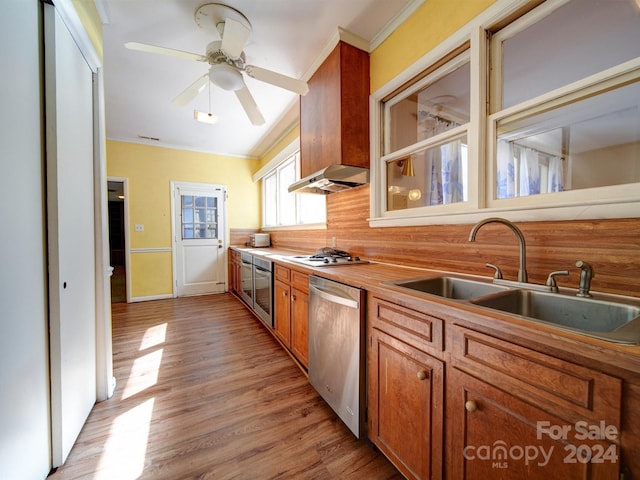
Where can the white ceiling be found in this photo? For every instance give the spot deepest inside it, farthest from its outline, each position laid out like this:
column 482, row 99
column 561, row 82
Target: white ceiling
column 289, row 37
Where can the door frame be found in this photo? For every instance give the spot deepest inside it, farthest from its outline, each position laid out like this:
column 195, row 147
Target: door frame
column 175, row 229
column 127, row 235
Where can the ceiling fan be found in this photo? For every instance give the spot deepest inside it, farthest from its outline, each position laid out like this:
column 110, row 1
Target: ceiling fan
column 226, row 60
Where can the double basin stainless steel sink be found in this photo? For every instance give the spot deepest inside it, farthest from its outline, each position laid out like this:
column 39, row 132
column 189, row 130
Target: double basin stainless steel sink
column 606, row 317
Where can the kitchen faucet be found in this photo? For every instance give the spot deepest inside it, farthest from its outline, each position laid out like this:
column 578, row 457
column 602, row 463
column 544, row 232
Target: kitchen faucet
column 522, row 270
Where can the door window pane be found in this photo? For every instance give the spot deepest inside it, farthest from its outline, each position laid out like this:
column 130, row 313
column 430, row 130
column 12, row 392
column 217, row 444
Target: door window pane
column 199, row 217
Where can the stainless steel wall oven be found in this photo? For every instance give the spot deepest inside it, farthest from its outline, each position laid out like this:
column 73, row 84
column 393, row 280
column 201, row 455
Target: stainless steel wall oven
column 263, row 290
column 246, row 276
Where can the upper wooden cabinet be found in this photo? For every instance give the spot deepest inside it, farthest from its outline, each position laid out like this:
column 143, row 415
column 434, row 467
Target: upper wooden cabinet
column 334, row 115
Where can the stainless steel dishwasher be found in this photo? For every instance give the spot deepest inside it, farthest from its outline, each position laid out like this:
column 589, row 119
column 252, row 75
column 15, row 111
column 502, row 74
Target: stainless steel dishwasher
column 336, row 348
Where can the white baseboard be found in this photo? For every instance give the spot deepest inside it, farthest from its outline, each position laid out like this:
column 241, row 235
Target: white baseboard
column 151, row 297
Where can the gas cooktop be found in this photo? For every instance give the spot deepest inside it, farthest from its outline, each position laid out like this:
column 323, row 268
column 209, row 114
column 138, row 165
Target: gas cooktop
column 327, row 257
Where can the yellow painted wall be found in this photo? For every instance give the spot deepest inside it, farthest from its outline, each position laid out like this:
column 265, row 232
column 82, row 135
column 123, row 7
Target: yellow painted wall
column 277, row 148
column 429, row 26
column 149, row 171
column 86, row 10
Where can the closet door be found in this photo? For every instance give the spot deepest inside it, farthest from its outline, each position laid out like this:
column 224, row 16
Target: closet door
column 24, row 357
column 70, row 210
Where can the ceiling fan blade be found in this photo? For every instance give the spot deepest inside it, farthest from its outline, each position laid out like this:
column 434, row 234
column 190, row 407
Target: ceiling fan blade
column 288, row 83
column 249, row 105
column 143, row 47
column 191, row 91
column 234, row 37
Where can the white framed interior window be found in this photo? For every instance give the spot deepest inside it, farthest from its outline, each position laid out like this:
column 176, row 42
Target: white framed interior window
column 552, row 126
column 283, row 209
column 425, row 144
column 564, row 123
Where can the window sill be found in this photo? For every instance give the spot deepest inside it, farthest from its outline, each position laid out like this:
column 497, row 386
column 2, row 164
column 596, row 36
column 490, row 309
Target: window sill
column 582, row 211
column 307, row 226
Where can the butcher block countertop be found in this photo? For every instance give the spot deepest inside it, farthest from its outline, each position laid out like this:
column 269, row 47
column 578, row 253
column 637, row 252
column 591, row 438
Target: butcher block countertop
column 616, row 358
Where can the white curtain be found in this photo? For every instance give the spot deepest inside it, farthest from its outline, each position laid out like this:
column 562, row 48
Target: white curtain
column 521, row 167
column 506, row 176
column 452, row 176
column 444, row 180
column 556, row 176
column 529, row 172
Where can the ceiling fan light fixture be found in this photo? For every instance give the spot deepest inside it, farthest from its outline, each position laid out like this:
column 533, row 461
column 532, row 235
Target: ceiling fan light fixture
column 226, row 77
column 203, row 117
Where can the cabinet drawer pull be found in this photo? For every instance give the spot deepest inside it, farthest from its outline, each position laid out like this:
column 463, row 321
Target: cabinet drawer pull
column 422, row 375
column 471, row 406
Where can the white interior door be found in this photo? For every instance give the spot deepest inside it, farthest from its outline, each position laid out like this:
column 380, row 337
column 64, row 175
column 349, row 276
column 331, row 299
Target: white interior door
column 70, row 210
column 199, row 245
column 25, row 447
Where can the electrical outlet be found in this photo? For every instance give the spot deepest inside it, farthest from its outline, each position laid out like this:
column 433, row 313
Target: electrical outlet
column 139, row 227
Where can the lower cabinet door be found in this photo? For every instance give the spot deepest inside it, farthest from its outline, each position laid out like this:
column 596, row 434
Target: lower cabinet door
column 496, row 435
column 405, row 411
column 282, row 311
column 300, row 326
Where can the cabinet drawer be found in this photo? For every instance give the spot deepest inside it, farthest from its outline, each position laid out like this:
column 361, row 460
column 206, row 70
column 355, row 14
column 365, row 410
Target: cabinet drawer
column 419, row 329
column 283, row 273
column 560, row 387
column 300, row 280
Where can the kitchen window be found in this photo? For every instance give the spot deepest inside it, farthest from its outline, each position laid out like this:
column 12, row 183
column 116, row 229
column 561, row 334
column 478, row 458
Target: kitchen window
column 539, row 109
column 284, row 209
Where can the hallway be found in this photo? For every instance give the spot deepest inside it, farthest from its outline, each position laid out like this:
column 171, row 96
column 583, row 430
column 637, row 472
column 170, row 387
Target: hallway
column 203, row 391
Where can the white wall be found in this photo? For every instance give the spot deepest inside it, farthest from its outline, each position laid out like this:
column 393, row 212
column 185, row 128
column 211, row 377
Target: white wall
column 24, row 381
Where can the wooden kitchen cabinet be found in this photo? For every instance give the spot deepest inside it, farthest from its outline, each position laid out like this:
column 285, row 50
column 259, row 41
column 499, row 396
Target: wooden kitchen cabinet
column 291, row 317
column 235, row 272
column 300, row 317
column 282, row 311
column 518, row 413
column 334, row 115
column 406, row 389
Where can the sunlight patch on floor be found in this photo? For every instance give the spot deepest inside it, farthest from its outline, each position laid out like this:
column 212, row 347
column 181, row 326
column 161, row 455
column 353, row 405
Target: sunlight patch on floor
column 125, row 450
column 144, row 373
column 154, row 336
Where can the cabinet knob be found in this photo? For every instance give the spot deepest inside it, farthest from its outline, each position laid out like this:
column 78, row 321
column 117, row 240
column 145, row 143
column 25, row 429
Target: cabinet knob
column 471, row 406
column 422, row 375
column 293, row 298
column 284, row 294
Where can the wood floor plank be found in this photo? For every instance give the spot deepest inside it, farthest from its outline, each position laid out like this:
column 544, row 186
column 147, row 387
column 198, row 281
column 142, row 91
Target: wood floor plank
column 204, row 391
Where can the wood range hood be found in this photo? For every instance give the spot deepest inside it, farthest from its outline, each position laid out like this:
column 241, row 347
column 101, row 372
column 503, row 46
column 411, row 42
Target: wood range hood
column 334, row 124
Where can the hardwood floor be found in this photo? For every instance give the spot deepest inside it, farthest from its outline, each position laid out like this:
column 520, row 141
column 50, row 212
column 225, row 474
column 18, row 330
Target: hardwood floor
column 204, row 391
